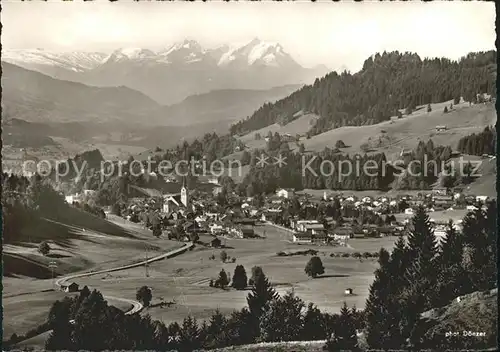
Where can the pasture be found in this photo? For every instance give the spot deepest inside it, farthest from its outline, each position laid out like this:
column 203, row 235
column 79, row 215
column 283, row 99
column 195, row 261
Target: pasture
column 27, row 282
column 184, row 280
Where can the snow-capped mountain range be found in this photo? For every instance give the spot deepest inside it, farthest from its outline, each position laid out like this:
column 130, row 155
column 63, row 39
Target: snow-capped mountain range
column 175, row 72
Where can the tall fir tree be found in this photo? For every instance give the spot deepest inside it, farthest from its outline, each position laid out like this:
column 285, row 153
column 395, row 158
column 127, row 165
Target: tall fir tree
column 283, row 320
column 189, row 335
column 344, row 337
column 60, row 337
column 451, row 279
column 379, row 325
column 314, row 326
column 480, row 235
column 217, row 335
column 262, row 293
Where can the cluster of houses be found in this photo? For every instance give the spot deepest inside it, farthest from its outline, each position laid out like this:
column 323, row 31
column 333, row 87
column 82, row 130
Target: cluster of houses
column 313, row 232
column 175, row 204
column 239, row 222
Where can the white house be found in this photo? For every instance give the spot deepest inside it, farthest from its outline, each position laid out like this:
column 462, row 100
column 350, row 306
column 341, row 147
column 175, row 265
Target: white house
column 409, row 211
column 301, row 224
column 481, row 198
column 302, row 237
column 285, row 192
column 215, row 228
column 471, row 207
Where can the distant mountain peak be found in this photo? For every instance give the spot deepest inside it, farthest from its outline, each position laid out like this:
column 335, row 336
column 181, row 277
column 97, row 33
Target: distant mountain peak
column 187, row 51
column 130, row 54
column 257, row 52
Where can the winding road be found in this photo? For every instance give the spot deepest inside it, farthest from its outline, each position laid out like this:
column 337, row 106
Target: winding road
column 136, row 306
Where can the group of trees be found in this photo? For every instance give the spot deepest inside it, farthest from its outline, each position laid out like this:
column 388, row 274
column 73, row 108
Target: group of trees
column 425, row 163
column 26, row 200
column 419, row 275
column 268, row 317
column 239, row 282
column 417, row 170
column 326, row 169
column 387, row 82
column 479, row 144
column 458, row 175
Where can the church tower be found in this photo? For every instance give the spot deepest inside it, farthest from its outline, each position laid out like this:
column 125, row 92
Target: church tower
column 184, row 193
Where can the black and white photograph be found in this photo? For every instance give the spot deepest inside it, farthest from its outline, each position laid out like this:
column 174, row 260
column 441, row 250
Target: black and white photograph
column 249, row 176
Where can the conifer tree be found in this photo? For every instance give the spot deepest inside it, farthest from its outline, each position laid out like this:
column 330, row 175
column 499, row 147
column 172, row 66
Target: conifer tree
column 189, row 335
column 451, row 274
column 222, row 281
column 314, row 326
column 216, row 334
column 283, row 319
column 60, row 337
column 378, row 334
column 421, row 239
column 344, row 336
column 239, row 278
column 480, row 234
column 262, row 293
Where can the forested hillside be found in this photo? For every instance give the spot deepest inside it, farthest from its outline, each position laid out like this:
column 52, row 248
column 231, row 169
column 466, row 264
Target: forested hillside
column 479, row 144
column 387, row 83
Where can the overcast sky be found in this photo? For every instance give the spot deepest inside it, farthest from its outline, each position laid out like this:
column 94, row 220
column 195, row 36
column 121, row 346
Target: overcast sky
column 335, row 34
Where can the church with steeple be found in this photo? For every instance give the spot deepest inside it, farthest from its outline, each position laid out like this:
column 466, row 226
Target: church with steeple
column 177, row 201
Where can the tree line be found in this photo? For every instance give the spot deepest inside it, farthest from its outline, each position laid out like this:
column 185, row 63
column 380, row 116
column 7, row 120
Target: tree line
column 387, row 83
column 419, row 275
column 479, row 144
column 330, row 169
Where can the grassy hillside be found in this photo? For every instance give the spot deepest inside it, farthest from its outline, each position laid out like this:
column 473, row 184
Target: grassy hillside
column 392, row 136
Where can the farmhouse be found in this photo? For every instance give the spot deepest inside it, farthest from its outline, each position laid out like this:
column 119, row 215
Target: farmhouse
column 441, row 128
column 443, row 201
column 247, row 231
column 481, row 198
column 301, row 224
column 72, row 287
column 285, row 192
column 302, row 237
column 215, row 243
column 343, row 233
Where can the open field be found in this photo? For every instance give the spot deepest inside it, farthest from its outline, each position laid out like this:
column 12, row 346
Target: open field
column 184, row 279
column 85, row 250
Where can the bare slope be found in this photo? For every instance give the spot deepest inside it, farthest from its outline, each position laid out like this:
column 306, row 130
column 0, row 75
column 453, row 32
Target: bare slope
column 392, row 136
